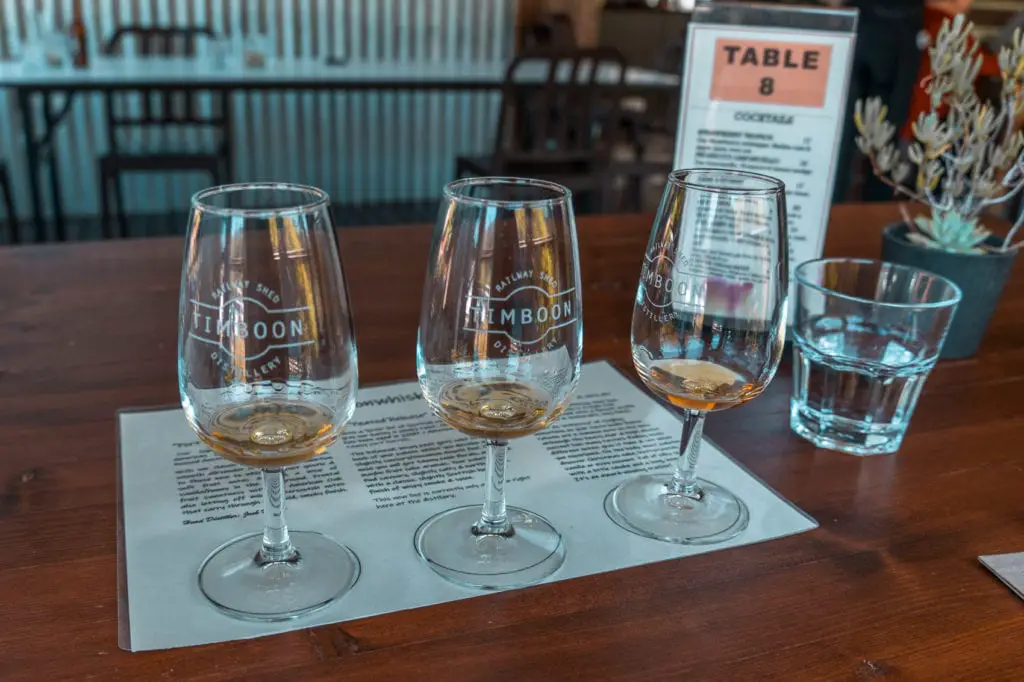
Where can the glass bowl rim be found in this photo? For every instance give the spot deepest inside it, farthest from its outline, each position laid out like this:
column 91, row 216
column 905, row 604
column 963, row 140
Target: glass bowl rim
column 319, row 199
column 453, row 191
column 678, row 177
column 801, row 277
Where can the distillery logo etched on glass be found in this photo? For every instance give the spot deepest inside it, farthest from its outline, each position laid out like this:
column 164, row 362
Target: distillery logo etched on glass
column 244, row 324
column 662, row 282
column 523, row 310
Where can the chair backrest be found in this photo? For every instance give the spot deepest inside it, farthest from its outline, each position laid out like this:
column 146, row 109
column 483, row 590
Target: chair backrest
column 671, row 55
column 158, row 41
column 671, row 59
column 162, row 107
column 560, row 106
column 549, row 32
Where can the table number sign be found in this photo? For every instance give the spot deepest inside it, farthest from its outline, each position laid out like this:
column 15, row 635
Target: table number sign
column 771, row 72
column 765, row 91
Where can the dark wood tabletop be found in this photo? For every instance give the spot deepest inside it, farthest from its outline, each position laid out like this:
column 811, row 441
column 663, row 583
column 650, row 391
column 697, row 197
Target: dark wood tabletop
column 889, row 587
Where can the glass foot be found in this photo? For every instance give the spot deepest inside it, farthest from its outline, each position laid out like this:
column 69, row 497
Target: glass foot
column 235, row 583
column 643, row 505
column 492, row 562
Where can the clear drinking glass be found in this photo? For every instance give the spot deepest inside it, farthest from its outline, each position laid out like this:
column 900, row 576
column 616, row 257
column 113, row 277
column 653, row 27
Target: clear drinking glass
column 500, row 342
column 709, row 325
column 267, row 374
column 866, row 334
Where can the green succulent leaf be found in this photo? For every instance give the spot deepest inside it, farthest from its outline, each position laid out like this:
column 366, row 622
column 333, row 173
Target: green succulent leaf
column 966, row 153
column 949, row 231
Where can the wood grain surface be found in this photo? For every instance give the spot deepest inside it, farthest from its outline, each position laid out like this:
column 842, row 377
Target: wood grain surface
column 888, row 588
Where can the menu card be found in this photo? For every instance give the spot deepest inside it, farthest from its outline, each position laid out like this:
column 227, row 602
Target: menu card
column 1007, row 567
column 395, row 466
column 764, row 90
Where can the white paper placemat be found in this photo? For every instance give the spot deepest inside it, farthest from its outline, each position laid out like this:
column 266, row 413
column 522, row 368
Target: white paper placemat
column 395, row 466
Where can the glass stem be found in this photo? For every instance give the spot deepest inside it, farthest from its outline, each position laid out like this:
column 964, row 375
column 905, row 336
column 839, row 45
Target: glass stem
column 493, row 520
column 684, row 479
column 277, row 545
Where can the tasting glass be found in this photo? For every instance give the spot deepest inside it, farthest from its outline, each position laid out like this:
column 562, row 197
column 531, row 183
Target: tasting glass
column 498, row 356
column 709, row 324
column 267, row 375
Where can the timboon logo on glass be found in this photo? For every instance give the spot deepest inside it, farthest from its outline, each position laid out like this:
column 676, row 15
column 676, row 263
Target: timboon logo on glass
column 245, row 326
column 525, row 310
column 663, row 284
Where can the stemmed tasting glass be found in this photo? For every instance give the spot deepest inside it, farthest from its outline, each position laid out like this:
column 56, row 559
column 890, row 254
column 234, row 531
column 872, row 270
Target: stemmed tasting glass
column 709, row 324
column 498, row 356
column 267, row 374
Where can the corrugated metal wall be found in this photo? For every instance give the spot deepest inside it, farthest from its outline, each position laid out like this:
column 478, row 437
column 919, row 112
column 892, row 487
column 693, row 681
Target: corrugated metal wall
column 362, row 147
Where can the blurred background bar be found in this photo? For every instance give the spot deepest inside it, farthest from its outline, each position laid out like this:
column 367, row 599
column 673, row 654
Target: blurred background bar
column 363, row 147
column 379, row 102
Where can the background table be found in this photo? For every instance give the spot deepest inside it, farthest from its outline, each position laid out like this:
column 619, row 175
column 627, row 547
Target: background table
column 888, row 587
column 397, row 32
column 113, row 73
column 293, row 118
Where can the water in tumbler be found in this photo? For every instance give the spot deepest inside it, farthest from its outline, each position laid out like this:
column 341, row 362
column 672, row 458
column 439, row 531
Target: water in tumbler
column 855, row 385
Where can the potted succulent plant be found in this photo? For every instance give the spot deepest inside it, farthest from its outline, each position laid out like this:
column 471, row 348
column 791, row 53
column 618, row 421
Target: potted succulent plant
column 965, row 159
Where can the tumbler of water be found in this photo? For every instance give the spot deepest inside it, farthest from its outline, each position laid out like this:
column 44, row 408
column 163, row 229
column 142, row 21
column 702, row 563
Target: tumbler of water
column 866, row 335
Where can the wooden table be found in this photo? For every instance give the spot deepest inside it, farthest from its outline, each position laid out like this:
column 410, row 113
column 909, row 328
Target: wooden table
column 888, row 587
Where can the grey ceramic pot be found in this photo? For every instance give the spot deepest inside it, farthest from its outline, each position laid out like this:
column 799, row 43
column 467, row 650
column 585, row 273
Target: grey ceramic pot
column 980, row 277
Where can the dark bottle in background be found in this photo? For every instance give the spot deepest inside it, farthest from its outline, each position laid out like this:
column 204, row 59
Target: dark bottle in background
column 79, row 42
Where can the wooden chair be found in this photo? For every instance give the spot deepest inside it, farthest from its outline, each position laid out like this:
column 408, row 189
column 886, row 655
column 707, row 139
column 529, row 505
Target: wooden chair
column 659, row 114
column 558, row 121
column 652, row 120
column 13, row 235
column 158, row 41
column 548, row 32
column 159, row 108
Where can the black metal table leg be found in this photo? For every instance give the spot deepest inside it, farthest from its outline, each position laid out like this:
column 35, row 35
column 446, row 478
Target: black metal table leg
column 60, row 232
column 34, row 152
column 53, row 119
column 32, row 160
